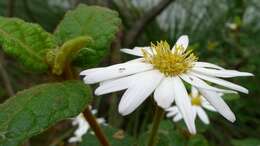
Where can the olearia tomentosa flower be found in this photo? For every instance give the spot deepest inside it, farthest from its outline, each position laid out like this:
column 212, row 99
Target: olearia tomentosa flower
column 198, row 102
column 162, row 70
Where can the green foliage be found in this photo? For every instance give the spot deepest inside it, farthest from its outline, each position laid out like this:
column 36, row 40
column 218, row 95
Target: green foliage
column 99, row 23
column 246, row 142
column 46, row 13
column 171, row 135
column 167, row 136
column 33, row 110
column 115, row 137
column 198, row 140
column 26, row 41
column 230, row 96
column 59, row 57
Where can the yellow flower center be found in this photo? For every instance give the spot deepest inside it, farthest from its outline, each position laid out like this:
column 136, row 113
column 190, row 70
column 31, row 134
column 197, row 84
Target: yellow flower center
column 196, row 100
column 168, row 62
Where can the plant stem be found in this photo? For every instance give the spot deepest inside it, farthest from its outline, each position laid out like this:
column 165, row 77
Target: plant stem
column 156, row 122
column 95, row 127
column 69, row 74
column 5, row 77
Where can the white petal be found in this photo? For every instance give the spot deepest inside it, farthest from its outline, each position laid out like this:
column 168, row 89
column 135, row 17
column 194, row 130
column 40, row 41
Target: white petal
column 163, row 94
column 172, row 111
column 207, row 65
column 177, row 118
column 208, row 106
column 184, row 104
column 202, row 115
column 219, row 104
column 137, row 51
column 116, row 71
column 220, row 73
column 101, row 120
column 194, row 92
column 195, row 81
column 88, row 71
column 221, row 82
column 144, row 84
column 114, row 85
column 182, row 41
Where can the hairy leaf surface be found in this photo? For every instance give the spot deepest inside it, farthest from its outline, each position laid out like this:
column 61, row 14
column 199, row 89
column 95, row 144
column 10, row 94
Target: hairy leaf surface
column 33, row 110
column 27, row 42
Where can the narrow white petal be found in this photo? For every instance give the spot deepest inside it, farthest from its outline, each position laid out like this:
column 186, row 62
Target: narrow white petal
column 163, row 94
column 219, row 104
column 202, row 115
column 114, row 85
column 88, row 71
column 177, row 118
column 137, row 51
column 195, row 81
column 172, row 111
column 208, row 106
column 207, row 65
column 221, row 82
column 132, row 52
column 144, row 84
column 182, row 41
column 194, row 92
column 184, row 104
column 116, row 71
column 220, row 73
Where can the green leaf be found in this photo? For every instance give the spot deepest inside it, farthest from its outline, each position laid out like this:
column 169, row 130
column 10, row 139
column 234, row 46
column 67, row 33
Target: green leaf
column 115, row 137
column 198, row 140
column 27, row 42
column 33, row 110
column 99, row 23
column 246, row 142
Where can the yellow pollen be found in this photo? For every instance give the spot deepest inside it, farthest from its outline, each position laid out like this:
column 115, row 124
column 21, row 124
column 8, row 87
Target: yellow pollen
column 196, row 100
column 168, row 62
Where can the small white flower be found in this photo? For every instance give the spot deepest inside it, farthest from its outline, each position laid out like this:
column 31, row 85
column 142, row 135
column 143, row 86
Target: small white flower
column 199, row 103
column 162, row 70
column 83, row 127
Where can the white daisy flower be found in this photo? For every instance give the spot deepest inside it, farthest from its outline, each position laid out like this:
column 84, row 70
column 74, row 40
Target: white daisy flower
column 162, row 70
column 199, row 103
column 83, row 127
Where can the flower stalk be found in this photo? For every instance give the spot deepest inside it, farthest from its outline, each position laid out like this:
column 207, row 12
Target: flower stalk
column 69, row 75
column 156, row 122
column 95, row 127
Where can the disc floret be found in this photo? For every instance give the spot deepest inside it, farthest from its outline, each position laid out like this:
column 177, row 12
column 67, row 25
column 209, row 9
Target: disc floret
column 167, row 61
column 196, row 100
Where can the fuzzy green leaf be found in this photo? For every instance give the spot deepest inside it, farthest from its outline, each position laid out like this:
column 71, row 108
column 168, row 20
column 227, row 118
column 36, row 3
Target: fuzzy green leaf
column 26, row 41
column 33, row 110
column 99, row 23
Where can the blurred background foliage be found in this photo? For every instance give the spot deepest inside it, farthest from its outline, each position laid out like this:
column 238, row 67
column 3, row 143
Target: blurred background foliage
column 225, row 32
